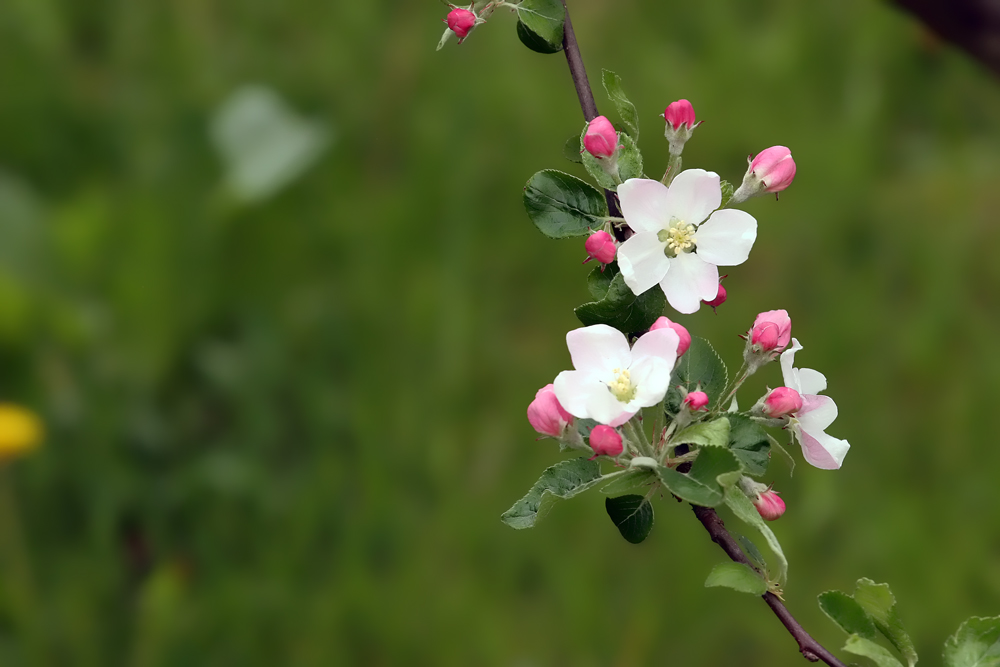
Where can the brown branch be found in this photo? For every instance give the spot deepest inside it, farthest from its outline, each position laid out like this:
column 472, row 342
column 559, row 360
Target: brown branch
column 808, row 646
column 973, row 25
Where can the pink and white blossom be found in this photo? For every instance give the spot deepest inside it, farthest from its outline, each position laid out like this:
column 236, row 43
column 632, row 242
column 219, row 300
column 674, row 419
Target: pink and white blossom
column 771, row 171
column 769, row 505
column 546, row 415
column 605, row 441
column 809, row 423
column 679, row 242
column 771, row 331
column 611, row 382
column 682, row 334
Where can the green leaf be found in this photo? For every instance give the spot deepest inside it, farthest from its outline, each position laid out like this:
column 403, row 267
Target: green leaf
column 562, row 206
column 613, row 86
column 544, row 19
column 629, row 158
column 750, row 443
column 702, row 365
column 571, row 150
column 847, row 613
column 632, row 514
column 631, row 480
column 738, row 576
column 628, row 161
column 727, row 192
column 976, row 644
column 599, row 280
column 879, row 602
column 622, row 309
column 752, row 552
column 534, row 41
column 711, row 434
column 563, row 480
column 702, row 486
column 744, row 509
column 869, row 649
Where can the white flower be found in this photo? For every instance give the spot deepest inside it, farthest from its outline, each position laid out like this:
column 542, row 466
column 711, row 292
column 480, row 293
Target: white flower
column 611, row 382
column 817, row 413
column 674, row 245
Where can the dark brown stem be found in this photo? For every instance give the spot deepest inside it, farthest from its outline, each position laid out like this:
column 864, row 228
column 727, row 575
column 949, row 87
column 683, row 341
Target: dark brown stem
column 973, row 25
column 810, row 648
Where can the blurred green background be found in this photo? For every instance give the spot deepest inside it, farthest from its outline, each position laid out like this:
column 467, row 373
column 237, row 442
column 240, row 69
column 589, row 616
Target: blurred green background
column 284, row 346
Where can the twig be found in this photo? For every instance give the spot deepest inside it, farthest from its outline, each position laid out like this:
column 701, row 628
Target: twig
column 809, row 647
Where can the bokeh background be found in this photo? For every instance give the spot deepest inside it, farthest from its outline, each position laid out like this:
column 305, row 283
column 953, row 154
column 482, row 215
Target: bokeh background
column 266, row 276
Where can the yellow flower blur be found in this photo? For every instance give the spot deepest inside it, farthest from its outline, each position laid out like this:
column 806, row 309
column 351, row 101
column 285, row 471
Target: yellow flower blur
column 20, row 431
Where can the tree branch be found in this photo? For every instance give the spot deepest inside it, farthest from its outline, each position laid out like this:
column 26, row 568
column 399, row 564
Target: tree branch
column 973, row 25
column 808, row 646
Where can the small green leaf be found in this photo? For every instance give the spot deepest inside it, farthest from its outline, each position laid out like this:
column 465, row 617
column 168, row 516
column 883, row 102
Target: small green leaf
column 711, row 434
column 847, row 613
column 738, row 576
column 571, row 149
column 976, row 644
column 632, row 514
column 752, row 552
column 629, row 158
column 727, row 192
column 879, row 602
column 750, row 443
column 744, row 509
column 701, row 486
column 700, row 365
column 563, row 480
column 534, row 41
column 631, row 480
column 620, row 308
column 562, row 206
column 599, row 280
column 869, row 649
column 613, row 86
column 544, row 19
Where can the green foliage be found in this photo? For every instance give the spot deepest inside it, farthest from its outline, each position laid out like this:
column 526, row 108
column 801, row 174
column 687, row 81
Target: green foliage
column 713, row 433
column 847, row 613
column 738, row 576
column 727, row 192
column 632, row 515
column 540, row 24
column 628, row 162
column 700, row 367
column 869, row 649
column 617, row 306
column 705, row 483
column 975, row 644
column 871, row 607
column 563, row 480
column 741, row 506
column 573, row 149
column 750, row 443
column 626, row 110
column 629, row 158
column 561, row 205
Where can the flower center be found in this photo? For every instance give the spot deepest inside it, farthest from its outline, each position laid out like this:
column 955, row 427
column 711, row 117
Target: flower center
column 679, row 237
column 621, row 387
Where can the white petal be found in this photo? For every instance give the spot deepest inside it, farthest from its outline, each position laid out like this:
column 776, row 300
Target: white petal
column 726, row 239
column 822, row 450
column 812, row 382
column 689, row 280
column 817, row 412
column 651, row 376
column 586, row 397
column 661, row 343
column 692, row 196
column 621, row 419
column 788, row 373
column 603, row 406
column 644, row 204
column 642, row 261
column 598, row 349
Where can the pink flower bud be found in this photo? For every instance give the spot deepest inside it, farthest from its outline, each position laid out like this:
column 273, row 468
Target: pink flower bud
column 605, row 441
column 696, row 400
column 771, row 331
column 601, row 246
column 719, row 299
column 461, row 21
column 601, row 139
column 770, row 505
column 679, row 113
column 682, row 333
column 774, row 167
column 782, row 402
column 546, row 415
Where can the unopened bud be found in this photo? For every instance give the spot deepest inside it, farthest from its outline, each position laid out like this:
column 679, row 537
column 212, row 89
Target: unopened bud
column 769, row 505
column 461, row 21
column 601, row 139
column 771, row 171
column 605, row 441
column 771, row 331
column 719, row 299
column 600, row 246
column 680, row 125
column 696, row 400
column 782, row 402
column 683, row 336
column 546, row 415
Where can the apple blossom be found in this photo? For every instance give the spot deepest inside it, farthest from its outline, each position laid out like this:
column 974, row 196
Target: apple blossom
column 769, row 505
column 461, row 22
column 809, row 423
column 611, row 382
column 679, row 242
column 605, row 441
column 546, row 415
column 682, row 333
column 771, row 331
column 600, row 246
column 771, row 171
column 696, row 400
column 601, row 138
